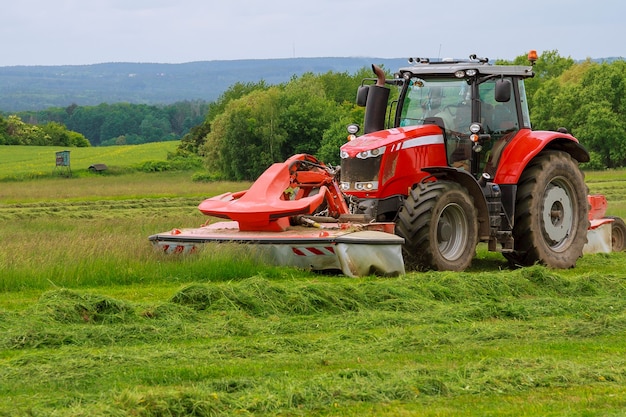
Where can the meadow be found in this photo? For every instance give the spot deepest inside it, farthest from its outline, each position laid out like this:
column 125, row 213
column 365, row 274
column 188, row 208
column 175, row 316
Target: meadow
column 94, row 322
column 28, row 162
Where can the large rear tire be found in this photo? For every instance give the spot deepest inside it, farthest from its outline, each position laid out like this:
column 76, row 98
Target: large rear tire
column 439, row 224
column 550, row 212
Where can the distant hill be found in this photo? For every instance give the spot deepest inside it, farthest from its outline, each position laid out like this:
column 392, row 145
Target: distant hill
column 41, row 87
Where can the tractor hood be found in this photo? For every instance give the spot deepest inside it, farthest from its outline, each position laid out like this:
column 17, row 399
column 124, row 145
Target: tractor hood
column 381, row 164
column 390, row 139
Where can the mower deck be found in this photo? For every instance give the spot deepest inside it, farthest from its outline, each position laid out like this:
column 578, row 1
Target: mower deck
column 354, row 250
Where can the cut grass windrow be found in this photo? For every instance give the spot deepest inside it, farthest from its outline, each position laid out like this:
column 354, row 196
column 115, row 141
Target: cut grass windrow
column 264, row 346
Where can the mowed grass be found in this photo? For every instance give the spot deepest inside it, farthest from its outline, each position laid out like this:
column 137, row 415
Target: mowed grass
column 93, row 322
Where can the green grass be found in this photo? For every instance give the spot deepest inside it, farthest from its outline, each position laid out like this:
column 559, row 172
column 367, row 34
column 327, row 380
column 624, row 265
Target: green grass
column 23, row 162
column 140, row 185
column 525, row 342
column 93, row 322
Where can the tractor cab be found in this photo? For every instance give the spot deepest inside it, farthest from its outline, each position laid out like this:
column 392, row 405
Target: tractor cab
column 453, row 118
column 477, row 106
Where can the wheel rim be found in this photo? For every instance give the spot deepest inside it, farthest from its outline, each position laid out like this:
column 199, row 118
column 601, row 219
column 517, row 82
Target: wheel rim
column 452, row 232
column 557, row 215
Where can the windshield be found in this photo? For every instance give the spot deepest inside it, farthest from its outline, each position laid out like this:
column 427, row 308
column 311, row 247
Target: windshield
column 447, row 98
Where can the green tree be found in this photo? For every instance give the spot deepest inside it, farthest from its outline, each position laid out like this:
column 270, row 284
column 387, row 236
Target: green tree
column 14, row 131
column 336, row 134
column 193, row 141
column 155, row 129
column 549, row 65
column 245, row 139
column 588, row 99
column 4, row 136
column 304, row 114
column 603, row 133
column 341, row 87
column 185, row 115
column 59, row 135
column 20, row 133
column 601, row 115
column 308, row 114
column 78, row 140
column 122, row 119
column 88, row 120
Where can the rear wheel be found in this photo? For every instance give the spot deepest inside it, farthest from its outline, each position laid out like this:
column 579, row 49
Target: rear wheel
column 618, row 234
column 551, row 212
column 439, row 224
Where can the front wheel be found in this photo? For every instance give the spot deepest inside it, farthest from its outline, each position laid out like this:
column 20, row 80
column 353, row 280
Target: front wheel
column 438, row 222
column 550, row 212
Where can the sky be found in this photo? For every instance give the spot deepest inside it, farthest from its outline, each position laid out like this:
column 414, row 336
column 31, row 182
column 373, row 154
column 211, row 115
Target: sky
column 78, row 32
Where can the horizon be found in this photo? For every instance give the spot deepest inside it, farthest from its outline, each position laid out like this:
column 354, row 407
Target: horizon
column 613, row 57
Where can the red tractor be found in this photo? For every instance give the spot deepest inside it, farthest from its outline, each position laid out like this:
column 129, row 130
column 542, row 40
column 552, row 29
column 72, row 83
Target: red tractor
column 460, row 164
column 451, row 163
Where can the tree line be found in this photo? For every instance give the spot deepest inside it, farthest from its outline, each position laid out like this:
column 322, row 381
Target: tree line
column 13, row 131
column 587, row 98
column 253, row 125
column 106, row 124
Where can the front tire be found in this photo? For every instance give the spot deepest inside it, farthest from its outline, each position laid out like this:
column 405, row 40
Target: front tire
column 438, row 222
column 550, row 212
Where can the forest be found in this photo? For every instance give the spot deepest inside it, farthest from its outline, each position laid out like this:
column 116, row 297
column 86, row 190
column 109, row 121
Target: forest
column 309, row 114
column 106, row 124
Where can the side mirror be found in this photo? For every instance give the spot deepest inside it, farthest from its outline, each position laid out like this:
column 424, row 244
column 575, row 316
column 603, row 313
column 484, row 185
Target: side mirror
column 361, row 95
column 503, row 91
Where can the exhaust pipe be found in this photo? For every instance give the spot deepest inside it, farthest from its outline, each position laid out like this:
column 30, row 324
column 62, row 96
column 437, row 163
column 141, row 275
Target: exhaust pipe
column 380, row 75
column 376, row 107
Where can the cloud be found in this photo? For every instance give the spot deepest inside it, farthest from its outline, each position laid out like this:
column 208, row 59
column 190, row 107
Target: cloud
column 56, row 32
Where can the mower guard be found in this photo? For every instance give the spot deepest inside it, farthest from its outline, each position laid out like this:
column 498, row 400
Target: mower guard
column 262, row 207
column 599, row 234
column 354, row 250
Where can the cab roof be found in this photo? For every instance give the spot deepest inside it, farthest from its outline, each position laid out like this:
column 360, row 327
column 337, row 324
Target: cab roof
column 426, row 68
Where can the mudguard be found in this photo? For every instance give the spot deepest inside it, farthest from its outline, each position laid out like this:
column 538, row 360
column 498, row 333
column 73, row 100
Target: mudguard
column 526, row 145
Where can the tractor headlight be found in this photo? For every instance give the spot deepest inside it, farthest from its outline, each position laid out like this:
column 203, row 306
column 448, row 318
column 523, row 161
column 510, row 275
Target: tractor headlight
column 372, row 153
column 353, row 129
column 366, row 186
column 475, row 128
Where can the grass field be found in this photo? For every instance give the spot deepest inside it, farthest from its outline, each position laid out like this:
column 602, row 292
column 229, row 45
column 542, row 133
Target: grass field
column 23, row 162
column 93, row 322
